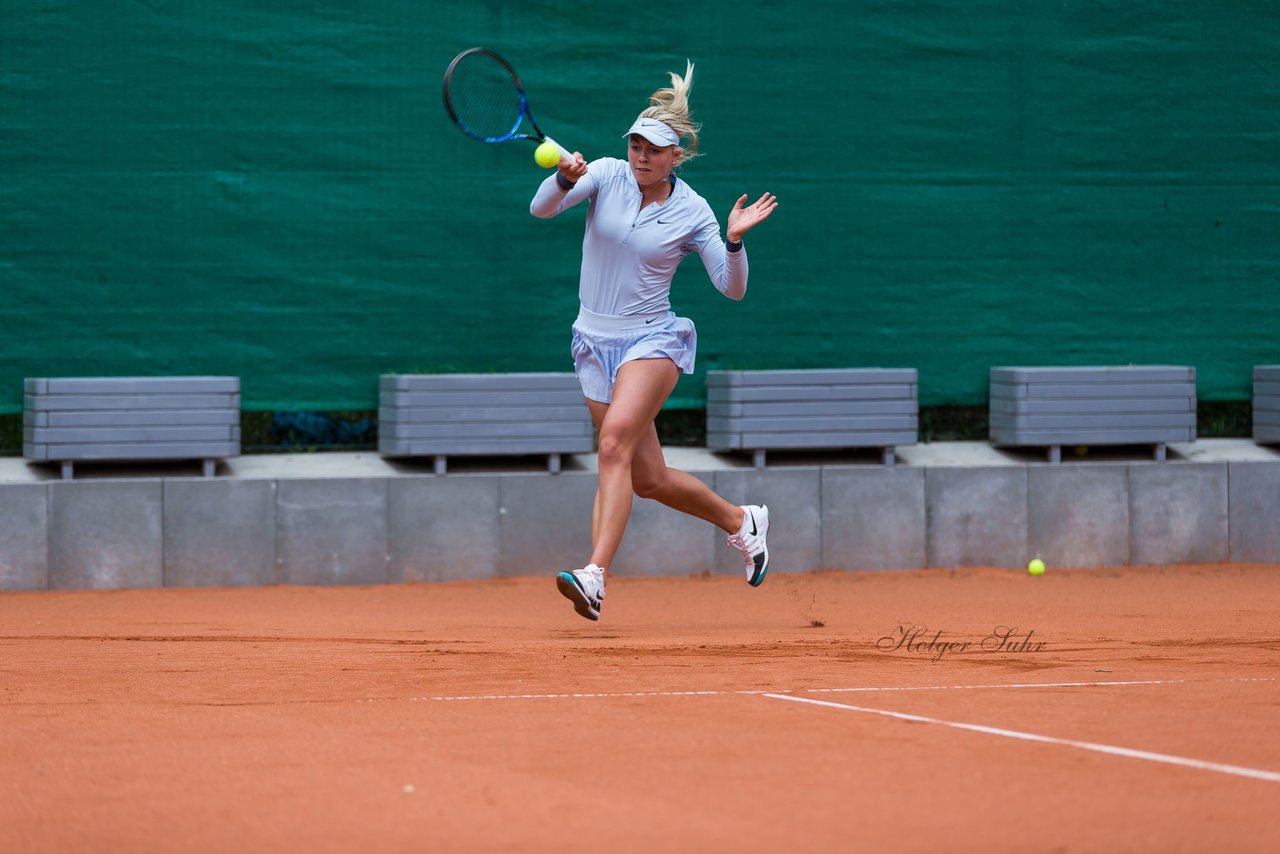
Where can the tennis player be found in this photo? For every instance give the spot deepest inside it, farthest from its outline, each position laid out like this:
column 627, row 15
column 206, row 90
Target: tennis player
column 629, row 347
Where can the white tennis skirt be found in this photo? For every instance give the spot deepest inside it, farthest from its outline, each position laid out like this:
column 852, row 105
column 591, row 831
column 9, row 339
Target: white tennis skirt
column 603, row 343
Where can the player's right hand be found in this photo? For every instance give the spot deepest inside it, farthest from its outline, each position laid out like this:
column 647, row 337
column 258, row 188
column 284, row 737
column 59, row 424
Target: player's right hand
column 574, row 169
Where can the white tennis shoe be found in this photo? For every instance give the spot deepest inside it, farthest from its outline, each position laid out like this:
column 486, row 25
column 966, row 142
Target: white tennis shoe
column 584, row 588
column 750, row 540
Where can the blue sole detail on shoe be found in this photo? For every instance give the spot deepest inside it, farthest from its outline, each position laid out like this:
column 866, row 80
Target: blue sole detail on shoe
column 569, row 587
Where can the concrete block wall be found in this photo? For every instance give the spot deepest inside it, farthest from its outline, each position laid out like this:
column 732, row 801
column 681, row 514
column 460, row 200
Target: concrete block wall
column 976, row 516
column 1078, row 515
column 24, row 537
column 106, row 534
column 874, row 518
column 304, row 522
column 1253, row 512
column 220, row 532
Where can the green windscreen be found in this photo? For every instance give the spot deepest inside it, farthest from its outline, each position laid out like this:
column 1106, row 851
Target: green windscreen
column 272, row 190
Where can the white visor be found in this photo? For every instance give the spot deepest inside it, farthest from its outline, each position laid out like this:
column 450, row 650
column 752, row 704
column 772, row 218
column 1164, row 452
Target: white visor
column 654, row 131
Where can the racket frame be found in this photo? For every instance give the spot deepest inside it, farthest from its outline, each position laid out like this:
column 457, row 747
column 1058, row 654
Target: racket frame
column 537, row 136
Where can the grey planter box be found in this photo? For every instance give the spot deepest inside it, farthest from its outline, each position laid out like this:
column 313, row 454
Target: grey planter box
column 110, row 419
column 443, row 415
column 1266, row 403
column 1121, row 405
column 758, row 411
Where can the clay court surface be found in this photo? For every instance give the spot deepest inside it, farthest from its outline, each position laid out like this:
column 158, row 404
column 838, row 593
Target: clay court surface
column 699, row 715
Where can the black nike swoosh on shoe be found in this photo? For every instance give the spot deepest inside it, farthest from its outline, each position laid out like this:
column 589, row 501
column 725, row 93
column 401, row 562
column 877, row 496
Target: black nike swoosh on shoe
column 753, row 522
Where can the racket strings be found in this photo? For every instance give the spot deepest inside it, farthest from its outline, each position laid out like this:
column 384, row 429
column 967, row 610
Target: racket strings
column 485, row 98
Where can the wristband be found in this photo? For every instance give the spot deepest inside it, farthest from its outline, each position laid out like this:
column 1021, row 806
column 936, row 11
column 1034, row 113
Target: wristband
column 564, row 183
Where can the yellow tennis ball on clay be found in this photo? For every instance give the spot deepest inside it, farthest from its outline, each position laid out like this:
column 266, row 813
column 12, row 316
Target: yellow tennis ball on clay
column 547, row 155
column 1036, row 567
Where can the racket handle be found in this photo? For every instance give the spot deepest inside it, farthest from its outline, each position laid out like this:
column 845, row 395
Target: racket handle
column 565, row 154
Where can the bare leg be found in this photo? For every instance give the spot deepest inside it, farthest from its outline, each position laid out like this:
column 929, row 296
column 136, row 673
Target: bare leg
column 651, row 477
column 631, row 460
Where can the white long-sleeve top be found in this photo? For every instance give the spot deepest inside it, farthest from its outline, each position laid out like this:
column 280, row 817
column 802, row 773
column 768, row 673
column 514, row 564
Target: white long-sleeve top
column 629, row 254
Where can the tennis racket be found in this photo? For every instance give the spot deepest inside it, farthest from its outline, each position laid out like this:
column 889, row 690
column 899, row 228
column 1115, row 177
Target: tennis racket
column 484, row 97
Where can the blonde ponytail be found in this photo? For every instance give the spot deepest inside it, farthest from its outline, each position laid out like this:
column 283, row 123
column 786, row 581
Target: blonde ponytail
column 671, row 107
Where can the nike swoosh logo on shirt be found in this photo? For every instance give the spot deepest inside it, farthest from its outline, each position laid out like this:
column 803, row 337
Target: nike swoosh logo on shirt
column 650, row 320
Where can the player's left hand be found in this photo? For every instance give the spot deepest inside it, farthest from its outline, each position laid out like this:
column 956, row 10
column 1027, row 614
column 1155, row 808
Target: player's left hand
column 743, row 219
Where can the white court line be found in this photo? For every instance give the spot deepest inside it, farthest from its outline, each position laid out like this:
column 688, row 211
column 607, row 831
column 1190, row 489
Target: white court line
column 578, row 696
column 997, row 685
column 608, row 694
column 1252, row 773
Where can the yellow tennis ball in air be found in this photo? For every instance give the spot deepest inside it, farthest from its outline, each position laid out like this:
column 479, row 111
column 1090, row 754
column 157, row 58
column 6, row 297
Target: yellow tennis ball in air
column 1036, row 567
column 547, row 155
